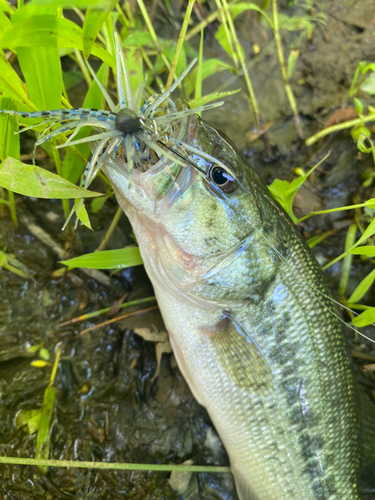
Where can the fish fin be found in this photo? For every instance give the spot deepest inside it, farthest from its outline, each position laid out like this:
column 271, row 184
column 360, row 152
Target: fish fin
column 238, row 352
column 243, row 488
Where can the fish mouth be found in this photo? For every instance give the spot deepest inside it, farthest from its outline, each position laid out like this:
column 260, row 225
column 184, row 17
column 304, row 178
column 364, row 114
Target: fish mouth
column 168, row 151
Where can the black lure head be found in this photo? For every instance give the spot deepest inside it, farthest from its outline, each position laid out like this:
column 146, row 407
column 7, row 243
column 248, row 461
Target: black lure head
column 127, row 121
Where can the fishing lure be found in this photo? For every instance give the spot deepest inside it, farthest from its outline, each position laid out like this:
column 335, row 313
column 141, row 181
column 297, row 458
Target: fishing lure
column 140, row 131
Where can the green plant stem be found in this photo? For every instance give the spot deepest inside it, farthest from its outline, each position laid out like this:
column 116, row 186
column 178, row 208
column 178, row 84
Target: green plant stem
column 12, row 207
column 341, row 126
column 280, row 55
column 228, row 34
column 94, row 314
column 56, row 159
column 82, row 66
column 152, row 32
column 110, row 230
column 180, row 43
column 240, row 54
column 339, row 209
column 347, row 261
column 112, row 466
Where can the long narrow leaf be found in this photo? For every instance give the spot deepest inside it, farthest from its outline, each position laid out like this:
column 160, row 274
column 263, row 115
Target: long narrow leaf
column 108, row 259
column 73, row 166
column 40, row 30
column 30, row 180
column 41, row 68
column 362, row 288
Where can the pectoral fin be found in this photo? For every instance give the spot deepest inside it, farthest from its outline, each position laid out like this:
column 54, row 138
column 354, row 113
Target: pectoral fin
column 239, row 355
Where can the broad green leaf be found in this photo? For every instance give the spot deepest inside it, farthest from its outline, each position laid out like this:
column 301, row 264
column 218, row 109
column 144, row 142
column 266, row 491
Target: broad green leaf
column 98, row 203
column 358, row 105
column 31, row 418
column 41, row 68
column 366, row 318
column 10, row 83
column 209, row 67
column 237, row 8
column 44, row 354
column 133, row 57
column 215, row 96
column 30, row 180
column 295, row 23
column 292, row 61
column 3, row 259
column 284, row 191
column 9, row 141
column 94, row 20
column 108, row 259
column 370, row 230
column 138, row 39
column 223, row 41
column 43, row 436
column 362, row 288
column 369, row 84
column 4, row 21
column 370, row 251
column 30, row 10
column 81, row 212
column 78, row 4
column 72, row 167
column 40, row 30
column 4, row 7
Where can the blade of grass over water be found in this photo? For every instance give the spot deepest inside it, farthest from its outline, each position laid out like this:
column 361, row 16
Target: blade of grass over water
column 43, row 437
column 113, row 466
column 94, row 314
column 180, row 43
column 114, row 320
column 347, row 261
column 288, row 88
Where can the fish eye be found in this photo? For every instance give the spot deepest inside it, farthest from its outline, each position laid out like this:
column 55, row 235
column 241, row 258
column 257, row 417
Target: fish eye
column 222, row 178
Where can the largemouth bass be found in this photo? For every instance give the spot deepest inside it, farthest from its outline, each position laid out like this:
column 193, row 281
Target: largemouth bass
column 250, row 319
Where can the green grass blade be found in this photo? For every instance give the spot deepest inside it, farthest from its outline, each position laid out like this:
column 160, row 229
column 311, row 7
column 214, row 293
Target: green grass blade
column 366, row 318
column 368, row 250
column 362, row 288
column 30, row 180
column 347, row 262
column 108, row 259
column 41, row 69
column 10, row 83
column 94, row 20
column 44, row 429
column 113, row 466
column 78, row 4
column 73, row 165
column 39, row 30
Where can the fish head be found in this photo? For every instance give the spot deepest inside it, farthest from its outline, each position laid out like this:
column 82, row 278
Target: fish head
column 189, row 219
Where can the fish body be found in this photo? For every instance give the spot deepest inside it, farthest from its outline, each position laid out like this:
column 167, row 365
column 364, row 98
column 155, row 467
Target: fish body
column 250, row 319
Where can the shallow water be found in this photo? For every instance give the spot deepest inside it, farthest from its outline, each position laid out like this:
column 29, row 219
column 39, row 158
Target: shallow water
column 108, row 408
